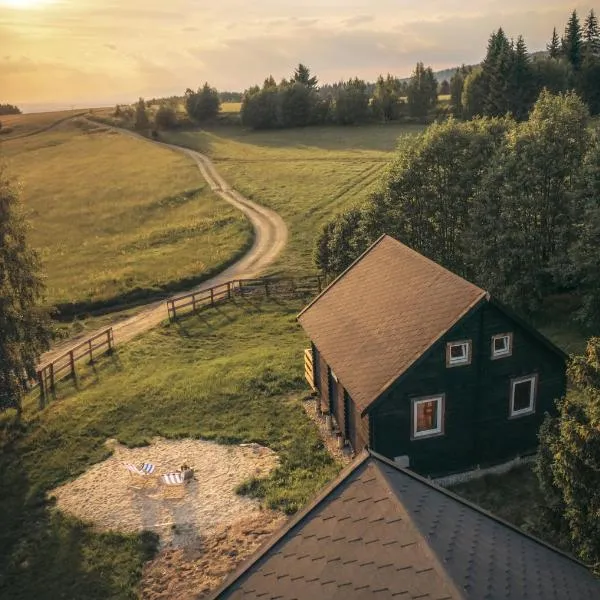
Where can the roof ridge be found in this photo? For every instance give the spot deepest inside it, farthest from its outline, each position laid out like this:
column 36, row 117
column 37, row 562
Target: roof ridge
column 344, row 272
column 432, row 553
column 430, row 483
column 255, row 557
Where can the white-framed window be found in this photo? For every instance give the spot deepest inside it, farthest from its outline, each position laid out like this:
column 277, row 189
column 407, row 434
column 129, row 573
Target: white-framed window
column 502, row 345
column 458, row 353
column 523, row 392
column 427, row 416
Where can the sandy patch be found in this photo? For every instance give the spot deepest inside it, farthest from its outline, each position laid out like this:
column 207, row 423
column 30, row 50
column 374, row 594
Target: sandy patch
column 107, row 496
column 194, row 571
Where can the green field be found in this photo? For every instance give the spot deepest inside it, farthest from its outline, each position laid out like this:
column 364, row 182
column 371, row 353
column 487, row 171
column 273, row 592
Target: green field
column 306, row 175
column 116, row 218
column 232, row 374
column 17, row 126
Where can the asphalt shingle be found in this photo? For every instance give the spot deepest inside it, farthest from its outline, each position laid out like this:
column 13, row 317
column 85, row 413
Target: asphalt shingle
column 382, row 314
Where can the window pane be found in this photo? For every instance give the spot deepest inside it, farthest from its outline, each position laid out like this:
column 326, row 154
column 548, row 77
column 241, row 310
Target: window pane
column 427, row 415
column 522, row 395
column 500, row 344
column 458, row 351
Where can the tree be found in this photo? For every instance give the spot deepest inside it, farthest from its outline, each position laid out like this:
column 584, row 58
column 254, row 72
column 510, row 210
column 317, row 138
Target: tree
column 352, row 103
column 302, row 75
column 591, row 35
column 296, row 104
column 422, row 91
column 572, row 41
column 568, row 465
column 165, row 117
column 387, row 103
column 520, row 87
column 473, row 95
column 445, row 88
column 202, row 105
column 523, row 217
column 142, row 121
column 553, row 74
column 457, row 84
column 495, row 75
column 260, row 108
column 553, row 47
column 24, row 330
column 9, row 109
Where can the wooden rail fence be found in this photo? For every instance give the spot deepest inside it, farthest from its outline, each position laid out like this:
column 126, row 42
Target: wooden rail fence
column 267, row 286
column 65, row 365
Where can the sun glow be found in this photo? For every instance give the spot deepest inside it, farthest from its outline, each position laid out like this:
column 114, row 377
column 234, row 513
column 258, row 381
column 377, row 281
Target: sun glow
column 24, row 3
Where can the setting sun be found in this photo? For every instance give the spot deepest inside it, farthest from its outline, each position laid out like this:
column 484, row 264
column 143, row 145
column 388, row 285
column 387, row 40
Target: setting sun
column 24, row 3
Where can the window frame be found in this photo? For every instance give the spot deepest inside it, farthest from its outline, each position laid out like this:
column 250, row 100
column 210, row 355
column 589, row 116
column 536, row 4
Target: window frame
column 530, row 410
column 463, row 363
column 441, row 411
column 504, row 354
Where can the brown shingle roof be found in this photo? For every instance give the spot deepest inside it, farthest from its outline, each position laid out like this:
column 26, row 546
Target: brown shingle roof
column 380, row 531
column 374, row 321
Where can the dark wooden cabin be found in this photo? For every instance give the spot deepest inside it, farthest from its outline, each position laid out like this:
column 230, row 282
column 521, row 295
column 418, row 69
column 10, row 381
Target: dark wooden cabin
column 426, row 368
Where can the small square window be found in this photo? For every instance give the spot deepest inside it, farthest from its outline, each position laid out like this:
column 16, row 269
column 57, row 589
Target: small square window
column 428, row 416
column 523, row 392
column 501, row 345
column 458, row 353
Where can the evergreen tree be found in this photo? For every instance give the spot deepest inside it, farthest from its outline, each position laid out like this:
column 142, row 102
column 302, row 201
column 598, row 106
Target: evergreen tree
column 24, row 329
column 473, row 96
column 496, row 72
column 520, row 87
column 296, row 104
column 457, row 84
column 302, row 75
column 142, row 121
column 568, row 464
column 422, row 91
column 445, row 88
column 573, row 41
column 591, row 35
column 554, row 46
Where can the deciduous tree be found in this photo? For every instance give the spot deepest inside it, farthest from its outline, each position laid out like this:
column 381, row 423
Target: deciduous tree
column 422, row 91
column 202, row 105
column 141, row 122
column 24, row 331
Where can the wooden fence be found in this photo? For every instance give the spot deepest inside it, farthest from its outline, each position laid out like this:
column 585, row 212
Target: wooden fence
column 309, row 370
column 65, row 365
column 280, row 287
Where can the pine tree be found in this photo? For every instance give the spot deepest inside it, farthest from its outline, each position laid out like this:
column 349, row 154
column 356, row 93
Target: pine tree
column 573, row 41
column 422, row 91
column 591, row 35
column 520, row 86
column 24, row 331
column 302, row 75
column 554, row 46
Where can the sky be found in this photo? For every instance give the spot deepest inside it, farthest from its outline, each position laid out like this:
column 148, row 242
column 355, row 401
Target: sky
column 92, row 52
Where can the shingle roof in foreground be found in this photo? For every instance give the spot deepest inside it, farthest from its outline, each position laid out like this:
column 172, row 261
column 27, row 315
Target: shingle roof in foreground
column 382, row 532
column 382, row 314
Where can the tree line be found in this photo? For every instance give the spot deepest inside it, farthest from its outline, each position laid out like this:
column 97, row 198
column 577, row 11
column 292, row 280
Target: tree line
column 512, row 206
column 509, row 79
column 299, row 101
column 9, row 109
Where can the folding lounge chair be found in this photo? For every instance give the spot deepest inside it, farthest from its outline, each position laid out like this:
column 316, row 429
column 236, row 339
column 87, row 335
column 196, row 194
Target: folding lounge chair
column 173, row 483
column 140, row 474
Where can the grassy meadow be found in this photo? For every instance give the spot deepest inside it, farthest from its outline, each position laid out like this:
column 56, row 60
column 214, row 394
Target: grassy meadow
column 116, row 218
column 231, row 374
column 17, row 126
column 306, row 175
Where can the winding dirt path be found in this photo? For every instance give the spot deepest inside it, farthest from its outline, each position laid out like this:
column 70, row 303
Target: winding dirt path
column 270, row 237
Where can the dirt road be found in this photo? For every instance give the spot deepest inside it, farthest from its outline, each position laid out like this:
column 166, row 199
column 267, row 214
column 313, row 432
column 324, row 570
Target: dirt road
column 270, row 237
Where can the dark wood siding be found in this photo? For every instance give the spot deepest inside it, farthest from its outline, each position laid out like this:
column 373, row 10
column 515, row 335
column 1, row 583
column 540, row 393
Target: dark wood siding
column 323, row 383
column 477, row 427
column 316, row 366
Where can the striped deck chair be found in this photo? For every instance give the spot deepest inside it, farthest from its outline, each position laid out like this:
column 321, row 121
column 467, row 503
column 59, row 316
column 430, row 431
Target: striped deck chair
column 140, row 475
column 173, row 484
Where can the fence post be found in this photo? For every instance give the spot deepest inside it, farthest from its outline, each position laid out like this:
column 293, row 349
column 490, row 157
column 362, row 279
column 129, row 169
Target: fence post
column 91, row 352
column 111, row 341
column 72, row 362
column 52, row 387
column 267, row 288
column 42, row 385
column 319, row 283
column 229, row 290
column 212, row 296
column 193, row 302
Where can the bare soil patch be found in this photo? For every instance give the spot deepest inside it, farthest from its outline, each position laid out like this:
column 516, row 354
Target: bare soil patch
column 110, row 498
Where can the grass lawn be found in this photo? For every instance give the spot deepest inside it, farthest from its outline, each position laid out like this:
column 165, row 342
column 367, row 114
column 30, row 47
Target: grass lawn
column 232, row 374
column 114, row 217
column 306, row 175
column 15, row 126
